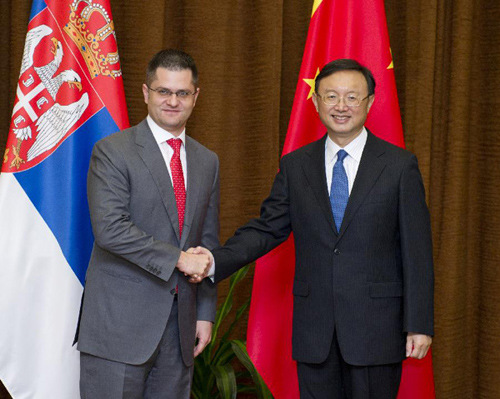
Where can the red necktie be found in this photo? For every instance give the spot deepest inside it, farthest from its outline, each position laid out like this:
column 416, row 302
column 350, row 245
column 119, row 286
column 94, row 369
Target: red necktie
column 178, row 179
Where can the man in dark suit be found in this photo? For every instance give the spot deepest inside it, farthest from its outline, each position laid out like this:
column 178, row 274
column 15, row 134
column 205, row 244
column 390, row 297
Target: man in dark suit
column 363, row 288
column 153, row 191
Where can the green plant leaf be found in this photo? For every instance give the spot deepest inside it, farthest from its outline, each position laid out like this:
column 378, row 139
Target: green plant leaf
column 239, row 275
column 214, row 377
column 226, row 381
column 226, row 306
column 260, row 386
column 223, row 354
column 237, row 317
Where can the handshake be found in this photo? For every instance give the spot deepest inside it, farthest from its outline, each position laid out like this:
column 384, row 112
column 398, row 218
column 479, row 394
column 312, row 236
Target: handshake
column 195, row 263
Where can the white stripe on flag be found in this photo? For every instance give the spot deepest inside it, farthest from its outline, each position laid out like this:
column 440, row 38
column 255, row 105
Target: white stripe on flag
column 39, row 303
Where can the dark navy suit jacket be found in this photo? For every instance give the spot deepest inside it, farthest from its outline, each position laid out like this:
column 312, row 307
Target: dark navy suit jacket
column 372, row 281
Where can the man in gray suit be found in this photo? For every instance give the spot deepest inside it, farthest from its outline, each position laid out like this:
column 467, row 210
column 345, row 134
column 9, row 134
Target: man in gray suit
column 363, row 287
column 153, row 191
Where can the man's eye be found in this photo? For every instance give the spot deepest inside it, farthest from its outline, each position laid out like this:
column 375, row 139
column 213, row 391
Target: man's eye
column 164, row 92
column 182, row 93
column 352, row 98
column 331, row 96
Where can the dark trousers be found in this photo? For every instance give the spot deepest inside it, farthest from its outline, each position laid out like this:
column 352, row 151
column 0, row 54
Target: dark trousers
column 335, row 379
column 163, row 376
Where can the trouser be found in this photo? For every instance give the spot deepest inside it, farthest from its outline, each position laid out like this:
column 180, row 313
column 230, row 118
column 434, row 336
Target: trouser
column 163, row 376
column 336, row 379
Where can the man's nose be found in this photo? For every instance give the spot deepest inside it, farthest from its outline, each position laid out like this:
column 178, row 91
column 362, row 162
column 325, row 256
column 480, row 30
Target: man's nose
column 172, row 100
column 341, row 105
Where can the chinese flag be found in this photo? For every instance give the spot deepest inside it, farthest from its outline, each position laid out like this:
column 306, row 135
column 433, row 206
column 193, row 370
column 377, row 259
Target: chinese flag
column 338, row 29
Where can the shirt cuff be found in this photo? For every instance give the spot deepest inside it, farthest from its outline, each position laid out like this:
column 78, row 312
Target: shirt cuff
column 211, row 272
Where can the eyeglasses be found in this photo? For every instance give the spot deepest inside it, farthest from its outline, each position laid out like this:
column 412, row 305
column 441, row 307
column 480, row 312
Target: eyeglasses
column 166, row 93
column 333, row 99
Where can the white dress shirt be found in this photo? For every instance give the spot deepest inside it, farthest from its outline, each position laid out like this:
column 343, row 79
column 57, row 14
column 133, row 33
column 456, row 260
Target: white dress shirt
column 161, row 136
column 351, row 162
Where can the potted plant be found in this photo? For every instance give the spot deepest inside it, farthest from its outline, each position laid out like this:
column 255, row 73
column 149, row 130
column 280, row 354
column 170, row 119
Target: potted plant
column 214, row 373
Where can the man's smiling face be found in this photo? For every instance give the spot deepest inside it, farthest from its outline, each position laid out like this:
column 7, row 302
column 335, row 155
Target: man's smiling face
column 343, row 122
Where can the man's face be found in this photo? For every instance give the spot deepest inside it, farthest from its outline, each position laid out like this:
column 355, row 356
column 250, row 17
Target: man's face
column 343, row 123
column 171, row 112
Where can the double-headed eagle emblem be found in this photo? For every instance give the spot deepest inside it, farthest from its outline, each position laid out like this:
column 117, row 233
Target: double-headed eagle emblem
column 56, row 121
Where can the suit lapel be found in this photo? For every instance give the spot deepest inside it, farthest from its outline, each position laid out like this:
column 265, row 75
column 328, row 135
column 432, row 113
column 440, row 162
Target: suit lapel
column 194, row 181
column 370, row 168
column 151, row 155
column 314, row 170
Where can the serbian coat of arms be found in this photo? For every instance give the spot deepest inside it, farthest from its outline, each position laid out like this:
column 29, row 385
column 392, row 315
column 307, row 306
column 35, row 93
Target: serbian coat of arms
column 64, row 55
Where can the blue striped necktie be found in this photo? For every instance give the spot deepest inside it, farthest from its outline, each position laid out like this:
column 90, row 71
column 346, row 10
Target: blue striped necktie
column 339, row 191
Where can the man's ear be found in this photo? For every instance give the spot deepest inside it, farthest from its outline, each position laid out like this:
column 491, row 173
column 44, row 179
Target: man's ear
column 371, row 99
column 145, row 92
column 315, row 101
column 196, row 96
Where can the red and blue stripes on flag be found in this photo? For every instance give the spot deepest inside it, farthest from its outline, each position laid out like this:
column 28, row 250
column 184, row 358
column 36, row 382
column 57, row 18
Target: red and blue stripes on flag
column 69, row 95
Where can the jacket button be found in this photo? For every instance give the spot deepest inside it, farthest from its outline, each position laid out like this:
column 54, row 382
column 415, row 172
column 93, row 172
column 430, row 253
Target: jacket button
column 336, row 251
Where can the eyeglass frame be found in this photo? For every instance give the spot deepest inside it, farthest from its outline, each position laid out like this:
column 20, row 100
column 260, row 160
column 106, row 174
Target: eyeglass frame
column 341, row 98
column 170, row 93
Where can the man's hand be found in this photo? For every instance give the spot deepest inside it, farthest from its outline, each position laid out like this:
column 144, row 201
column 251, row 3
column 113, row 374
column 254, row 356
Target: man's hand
column 196, row 266
column 203, row 335
column 200, row 251
column 417, row 345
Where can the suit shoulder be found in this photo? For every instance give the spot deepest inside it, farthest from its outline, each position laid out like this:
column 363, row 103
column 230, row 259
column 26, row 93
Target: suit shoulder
column 118, row 139
column 201, row 149
column 393, row 150
column 317, row 145
column 118, row 148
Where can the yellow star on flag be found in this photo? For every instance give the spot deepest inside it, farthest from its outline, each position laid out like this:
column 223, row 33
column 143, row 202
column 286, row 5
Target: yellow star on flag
column 310, row 82
column 315, row 6
column 391, row 65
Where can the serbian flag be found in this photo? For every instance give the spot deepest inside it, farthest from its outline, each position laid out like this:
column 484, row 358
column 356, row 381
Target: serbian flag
column 338, row 29
column 69, row 95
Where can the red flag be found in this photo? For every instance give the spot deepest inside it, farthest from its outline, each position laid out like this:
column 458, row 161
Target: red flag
column 338, row 29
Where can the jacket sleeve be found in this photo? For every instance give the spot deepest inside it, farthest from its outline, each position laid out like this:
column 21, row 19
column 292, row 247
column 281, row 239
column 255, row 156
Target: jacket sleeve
column 108, row 191
column 261, row 235
column 207, row 291
column 416, row 252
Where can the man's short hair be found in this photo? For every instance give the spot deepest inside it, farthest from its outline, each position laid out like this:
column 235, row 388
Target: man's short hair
column 173, row 60
column 346, row 64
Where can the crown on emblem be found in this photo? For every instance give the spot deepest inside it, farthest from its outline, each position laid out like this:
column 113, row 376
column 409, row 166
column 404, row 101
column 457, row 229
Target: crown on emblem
column 91, row 33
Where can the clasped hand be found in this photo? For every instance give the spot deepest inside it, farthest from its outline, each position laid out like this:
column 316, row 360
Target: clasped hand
column 195, row 263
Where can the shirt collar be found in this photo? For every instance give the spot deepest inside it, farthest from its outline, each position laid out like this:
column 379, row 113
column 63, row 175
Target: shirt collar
column 161, row 135
column 354, row 149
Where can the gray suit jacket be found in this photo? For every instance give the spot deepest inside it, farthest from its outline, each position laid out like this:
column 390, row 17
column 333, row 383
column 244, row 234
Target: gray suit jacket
column 132, row 276
column 372, row 281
